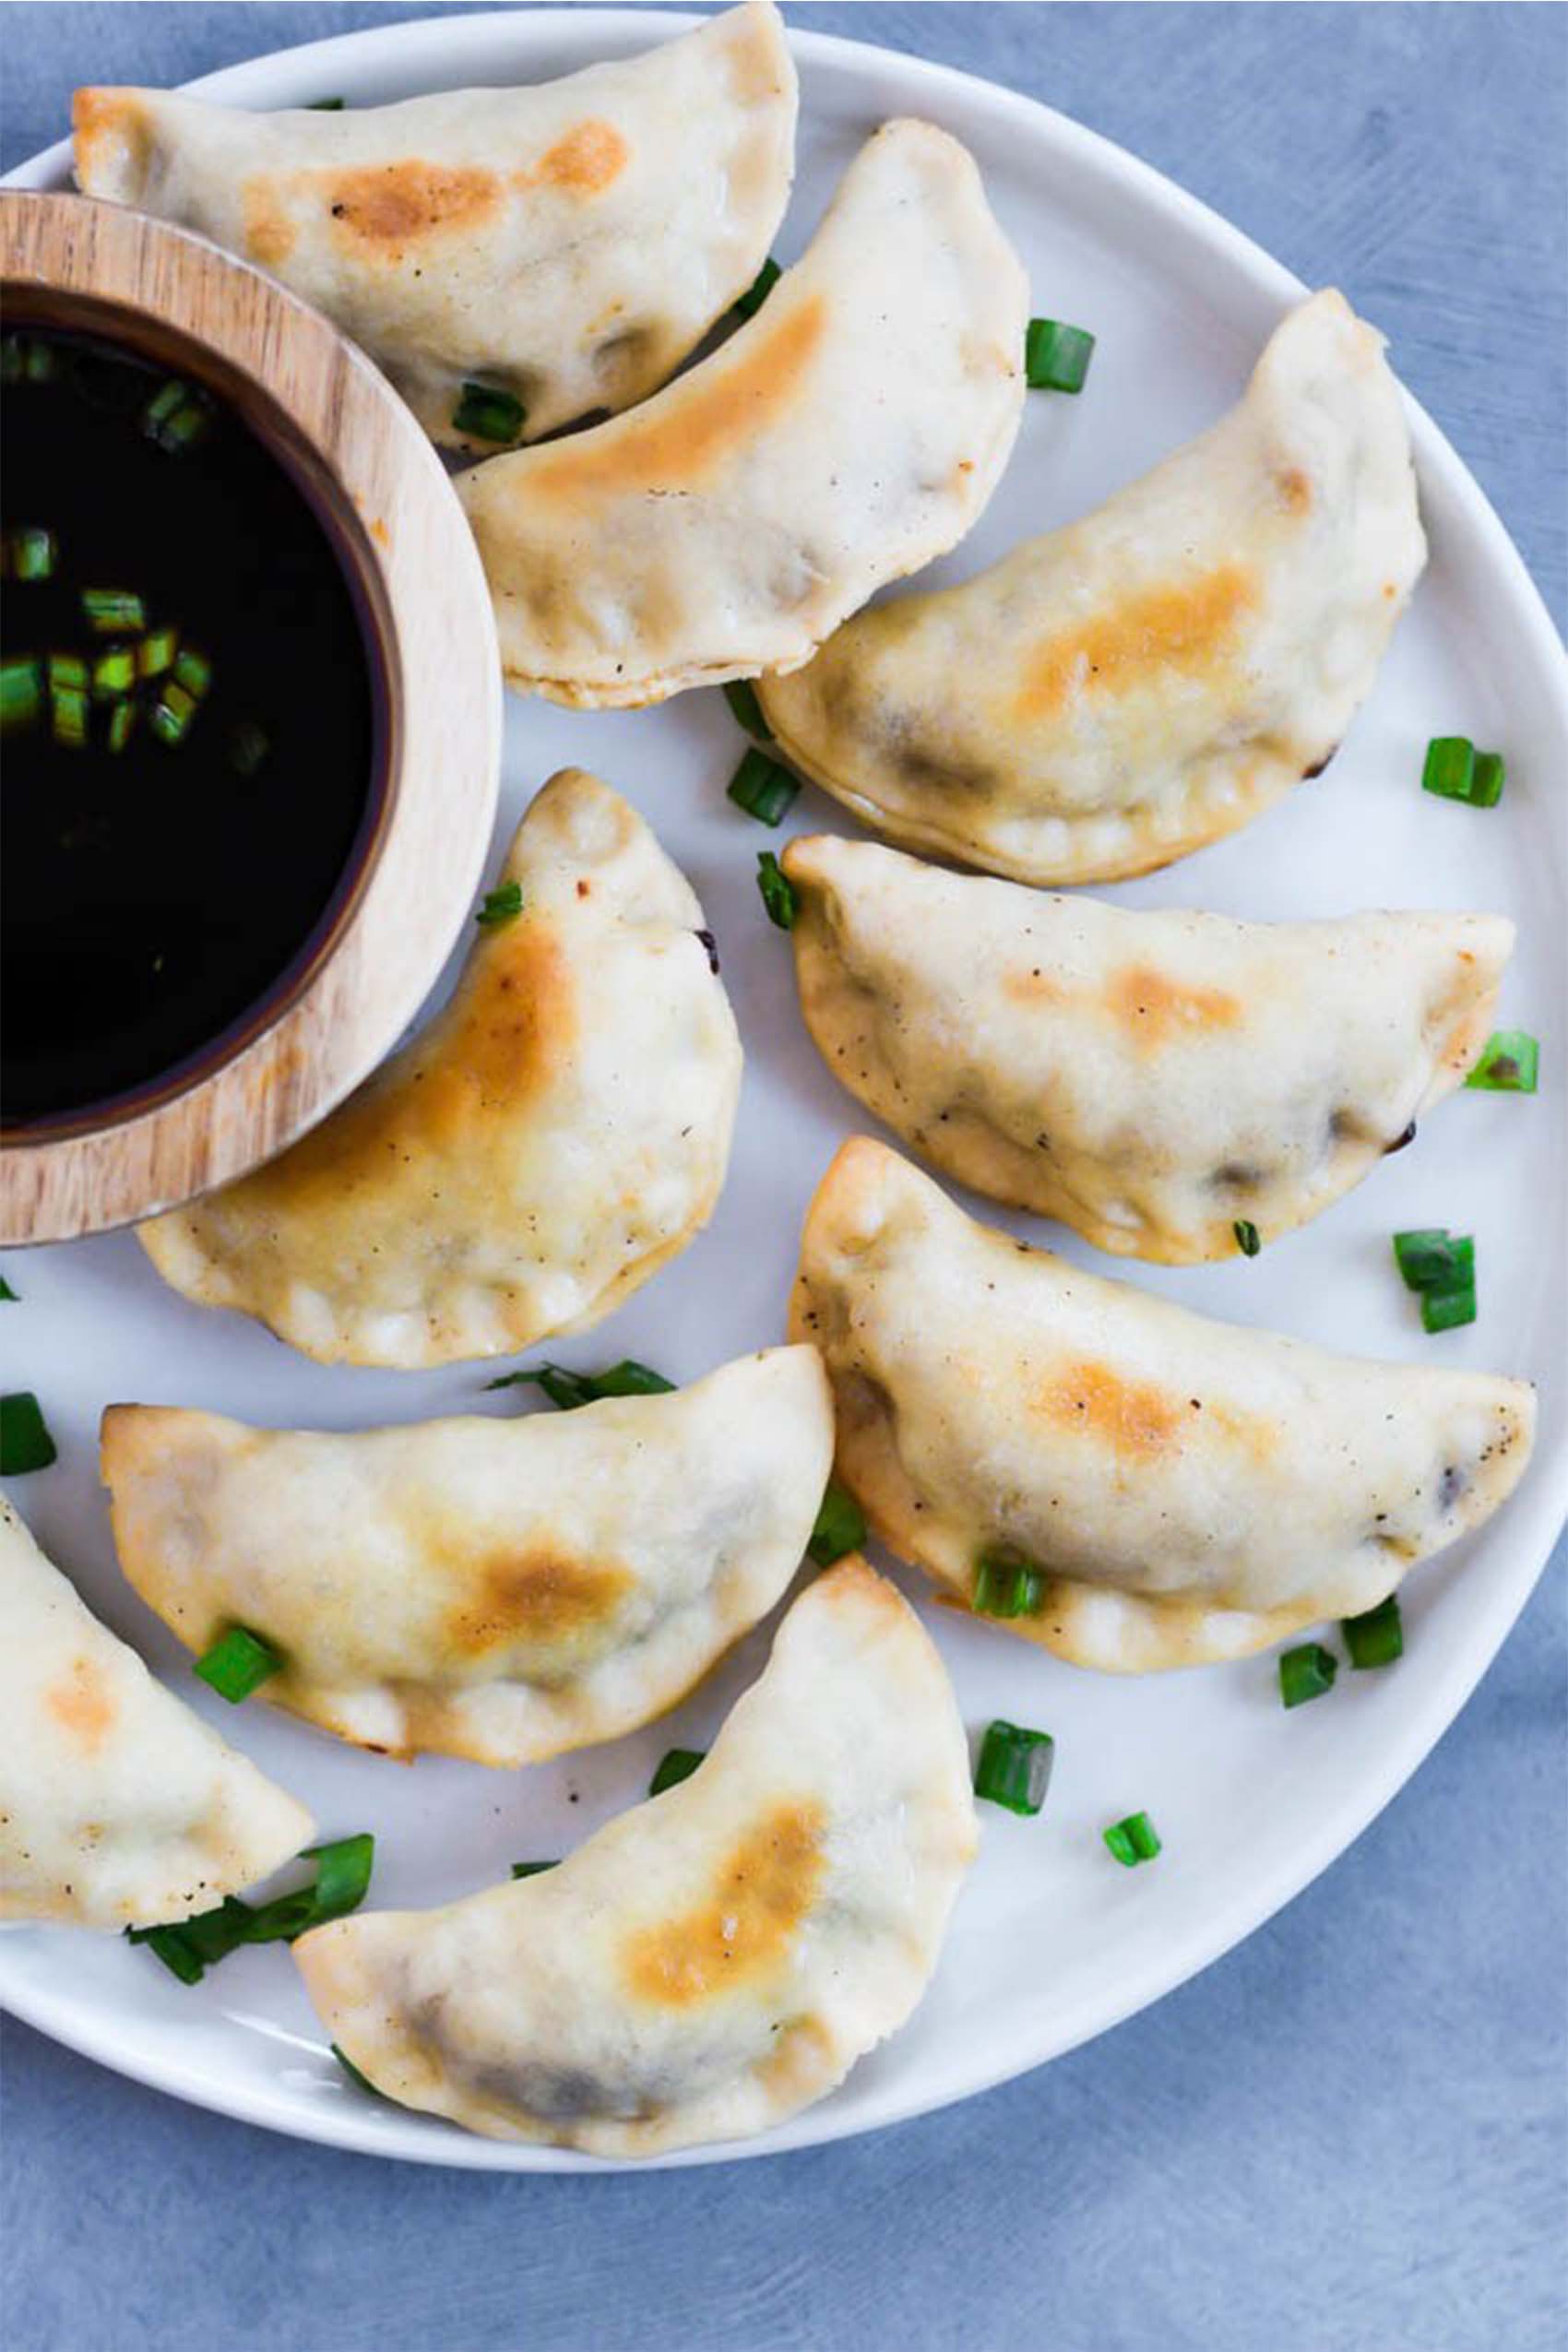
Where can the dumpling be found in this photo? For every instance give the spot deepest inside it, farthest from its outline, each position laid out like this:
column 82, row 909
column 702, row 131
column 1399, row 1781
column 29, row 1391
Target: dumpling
column 714, row 1959
column 851, row 430
column 1182, row 1490
column 118, row 1806
column 566, row 244
column 1117, row 694
column 556, row 1134
column 1149, row 1078
column 495, row 1589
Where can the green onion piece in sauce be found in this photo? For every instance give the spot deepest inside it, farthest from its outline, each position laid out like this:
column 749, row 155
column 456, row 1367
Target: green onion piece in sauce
column 567, row 1390
column 757, row 293
column 778, row 890
column 1056, row 357
column 193, row 670
column 122, row 725
column 34, row 554
column 113, row 672
column 741, row 696
column 1015, row 1768
column 761, row 787
column 25, row 1442
column 24, row 359
column 170, row 716
column 109, row 611
column 677, row 1765
column 69, row 714
column 1006, row 1586
column 840, row 1528
column 489, row 414
column 1377, row 1636
column 1247, row 1240
column 176, row 416
column 1133, row 1840
column 238, row 1663
column 1509, row 1065
column 1306, row 1673
column 67, row 674
column 156, row 652
column 21, row 692
column 500, row 905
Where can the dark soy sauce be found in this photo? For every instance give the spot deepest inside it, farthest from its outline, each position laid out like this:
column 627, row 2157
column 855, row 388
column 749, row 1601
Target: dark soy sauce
column 151, row 898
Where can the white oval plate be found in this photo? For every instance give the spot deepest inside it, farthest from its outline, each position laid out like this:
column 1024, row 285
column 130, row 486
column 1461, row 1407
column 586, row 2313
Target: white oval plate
column 1052, row 1941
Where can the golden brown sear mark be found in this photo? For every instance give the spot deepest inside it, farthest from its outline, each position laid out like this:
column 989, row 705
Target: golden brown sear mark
column 1190, row 628
column 742, row 1930
column 531, row 1595
column 388, row 206
column 82, row 1705
column 1154, row 1007
column 582, row 162
column 1134, row 1416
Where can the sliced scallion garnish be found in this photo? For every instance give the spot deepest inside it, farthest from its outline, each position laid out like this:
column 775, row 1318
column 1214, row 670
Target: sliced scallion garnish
column 362, row 2082
column 7, row 1296
column 1015, row 1768
column 1487, row 783
column 569, row 1389
column 327, row 106
column 1448, row 1309
column 840, row 1528
column 1306, row 1673
column 530, row 1869
column 34, row 554
column 113, row 672
column 741, row 696
column 778, row 890
column 193, row 670
column 176, row 416
column 189, row 1947
column 1455, row 770
column 1431, row 1256
column 21, row 692
column 170, row 716
column 67, row 674
column 110, row 611
column 156, row 652
column 500, row 905
column 1056, row 357
column 69, row 711
column 1247, row 1240
column 757, row 292
column 1509, row 1065
column 1133, row 1840
column 238, row 1663
column 25, row 1442
column 489, row 414
column 677, row 1765
column 121, row 724
column 761, row 787
column 1377, row 1636
column 1006, row 1586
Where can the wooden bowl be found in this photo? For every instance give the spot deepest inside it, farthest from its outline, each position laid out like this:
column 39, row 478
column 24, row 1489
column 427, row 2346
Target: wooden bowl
column 325, row 414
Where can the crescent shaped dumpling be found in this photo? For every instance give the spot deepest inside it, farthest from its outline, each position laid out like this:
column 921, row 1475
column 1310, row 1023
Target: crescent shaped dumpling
column 567, row 244
column 539, row 1150
column 119, row 1807
column 716, row 1958
column 851, row 430
column 495, row 1589
column 1185, row 1490
column 1147, row 1078
column 1116, row 694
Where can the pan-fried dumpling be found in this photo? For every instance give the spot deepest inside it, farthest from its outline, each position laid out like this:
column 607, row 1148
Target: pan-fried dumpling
column 1172, row 1489
column 567, row 244
column 556, row 1134
column 1114, row 695
column 1148, row 1078
column 118, row 1806
column 495, row 1589
column 717, row 1957
column 848, row 433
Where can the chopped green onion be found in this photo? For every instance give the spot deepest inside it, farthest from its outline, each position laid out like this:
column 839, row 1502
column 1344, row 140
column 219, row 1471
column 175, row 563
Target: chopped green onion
column 1433, row 1258
column 741, row 696
column 238, row 1663
column 757, row 292
column 174, row 1950
column 26, row 360
column 1376, row 1638
column 328, row 106
column 1008, row 1585
column 489, row 414
column 501, row 905
column 761, row 787
column 1446, row 1308
column 121, row 724
column 109, row 611
column 34, row 554
column 1056, row 357
column 840, row 1528
column 21, row 692
column 193, row 671
column 190, row 1947
column 1492, row 774
column 1015, row 1768
column 678, row 1765
column 1247, row 1238
column 1455, row 770
column 569, row 1389
column 362, row 2082
column 530, row 1869
column 1133, row 1840
column 25, row 1442
column 777, row 891
column 69, row 711
column 1306, row 1673
column 67, row 674
column 176, row 416
column 1509, row 1065
column 6, row 1294
column 156, row 652
column 170, row 716
column 113, row 672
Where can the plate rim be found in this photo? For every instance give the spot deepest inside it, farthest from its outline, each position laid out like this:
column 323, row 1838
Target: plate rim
column 1538, row 1514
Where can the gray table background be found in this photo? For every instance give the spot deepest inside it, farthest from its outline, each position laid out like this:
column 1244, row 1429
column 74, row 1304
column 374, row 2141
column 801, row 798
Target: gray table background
column 1351, row 2135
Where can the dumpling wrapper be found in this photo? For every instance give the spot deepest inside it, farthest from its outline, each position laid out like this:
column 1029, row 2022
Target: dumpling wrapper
column 1191, row 1491
column 851, row 430
column 716, row 1958
column 1116, row 694
column 556, row 1133
column 495, row 1589
column 119, row 1807
column 569, row 242
column 1147, row 1078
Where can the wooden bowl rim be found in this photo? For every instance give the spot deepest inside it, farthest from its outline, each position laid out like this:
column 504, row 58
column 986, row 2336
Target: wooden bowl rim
column 432, row 615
